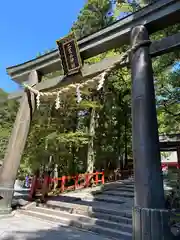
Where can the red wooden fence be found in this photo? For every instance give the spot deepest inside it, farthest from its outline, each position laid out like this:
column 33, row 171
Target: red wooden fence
column 65, row 183
column 45, row 185
column 170, row 164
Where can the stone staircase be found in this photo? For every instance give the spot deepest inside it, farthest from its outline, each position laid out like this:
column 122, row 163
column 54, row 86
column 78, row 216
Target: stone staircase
column 104, row 210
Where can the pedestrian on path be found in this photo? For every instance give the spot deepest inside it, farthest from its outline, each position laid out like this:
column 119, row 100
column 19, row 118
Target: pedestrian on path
column 27, row 182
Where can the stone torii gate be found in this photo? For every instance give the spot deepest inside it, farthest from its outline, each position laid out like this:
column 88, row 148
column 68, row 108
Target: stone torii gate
column 171, row 143
column 150, row 218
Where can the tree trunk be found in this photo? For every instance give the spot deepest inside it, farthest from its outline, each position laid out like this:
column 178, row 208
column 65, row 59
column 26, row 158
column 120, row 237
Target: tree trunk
column 73, row 149
column 55, row 176
column 125, row 140
column 90, row 153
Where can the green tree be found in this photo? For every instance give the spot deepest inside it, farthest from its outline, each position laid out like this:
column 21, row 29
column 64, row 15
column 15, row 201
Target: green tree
column 169, row 102
column 93, row 17
column 97, row 131
column 8, row 109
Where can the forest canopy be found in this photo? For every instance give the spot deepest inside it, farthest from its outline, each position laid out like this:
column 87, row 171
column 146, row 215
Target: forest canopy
column 95, row 133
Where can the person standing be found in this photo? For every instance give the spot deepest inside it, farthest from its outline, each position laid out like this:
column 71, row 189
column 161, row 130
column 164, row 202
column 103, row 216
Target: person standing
column 27, row 182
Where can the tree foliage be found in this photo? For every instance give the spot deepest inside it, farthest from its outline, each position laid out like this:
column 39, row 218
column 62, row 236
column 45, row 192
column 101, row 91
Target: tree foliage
column 8, row 109
column 98, row 129
column 93, row 17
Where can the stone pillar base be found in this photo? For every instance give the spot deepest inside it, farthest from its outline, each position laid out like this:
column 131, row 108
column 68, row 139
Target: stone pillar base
column 6, row 194
column 151, row 224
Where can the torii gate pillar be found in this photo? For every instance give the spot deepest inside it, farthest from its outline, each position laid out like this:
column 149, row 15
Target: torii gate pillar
column 16, row 146
column 150, row 219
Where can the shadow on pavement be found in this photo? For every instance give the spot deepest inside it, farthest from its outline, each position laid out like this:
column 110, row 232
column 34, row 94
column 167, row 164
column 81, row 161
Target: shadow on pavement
column 47, row 232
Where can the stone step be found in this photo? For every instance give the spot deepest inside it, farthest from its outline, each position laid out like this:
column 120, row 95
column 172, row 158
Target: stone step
column 118, row 185
column 120, row 217
column 104, row 198
column 119, row 231
column 89, row 197
column 118, row 188
column 122, row 188
column 113, row 218
column 86, row 219
column 120, row 199
column 128, row 185
column 117, row 193
column 88, row 208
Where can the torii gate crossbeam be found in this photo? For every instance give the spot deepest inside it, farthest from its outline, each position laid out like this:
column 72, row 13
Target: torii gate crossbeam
column 150, row 219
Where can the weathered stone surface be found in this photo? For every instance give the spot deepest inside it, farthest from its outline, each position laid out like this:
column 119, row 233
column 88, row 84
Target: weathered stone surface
column 146, row 221
column 16, row 146
column 22, row 227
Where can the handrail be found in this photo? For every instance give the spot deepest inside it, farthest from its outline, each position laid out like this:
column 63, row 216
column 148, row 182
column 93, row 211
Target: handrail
column 44, row 186
column 170, row 164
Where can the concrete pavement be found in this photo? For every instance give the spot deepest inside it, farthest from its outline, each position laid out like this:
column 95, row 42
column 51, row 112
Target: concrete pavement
column 21, row 227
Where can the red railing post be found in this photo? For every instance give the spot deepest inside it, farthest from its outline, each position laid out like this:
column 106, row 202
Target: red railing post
column 103, row 180
column 97, row 178
column 45, row 186
column 33, row 187
column 76, row 182
column 87, row 180
column 63, row 180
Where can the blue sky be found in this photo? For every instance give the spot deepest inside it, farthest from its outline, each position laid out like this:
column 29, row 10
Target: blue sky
column 29, row 27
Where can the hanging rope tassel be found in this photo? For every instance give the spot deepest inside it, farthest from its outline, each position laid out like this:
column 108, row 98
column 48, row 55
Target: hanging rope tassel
column 78, row 93
column 38, row 100
column 100, row 78
column 101, row 81
column 57, row 102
